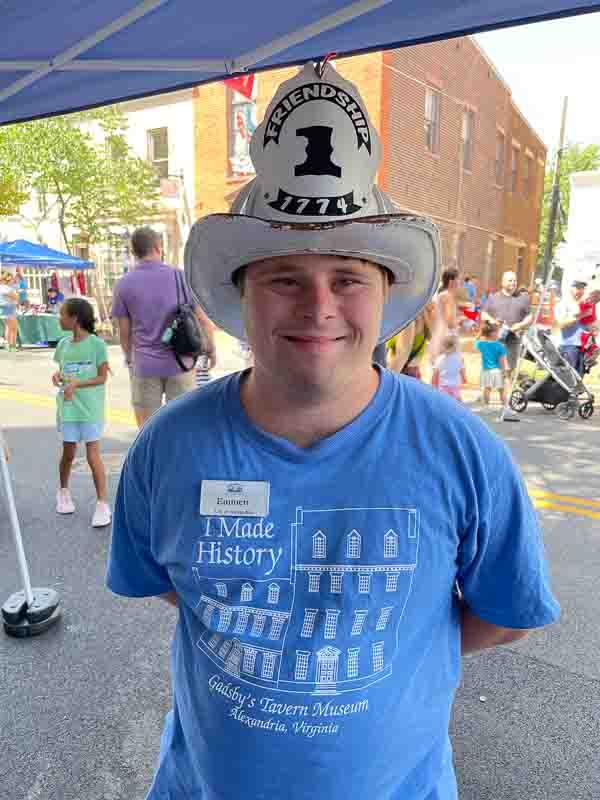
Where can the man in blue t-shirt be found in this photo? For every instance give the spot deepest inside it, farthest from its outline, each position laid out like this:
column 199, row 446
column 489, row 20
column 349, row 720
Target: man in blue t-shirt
column 333, row 536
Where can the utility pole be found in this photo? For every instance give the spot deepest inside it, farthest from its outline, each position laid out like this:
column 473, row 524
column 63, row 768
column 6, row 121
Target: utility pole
column 555, row 194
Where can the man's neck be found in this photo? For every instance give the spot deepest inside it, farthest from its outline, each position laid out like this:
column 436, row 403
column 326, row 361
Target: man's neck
column 506, row 292
column 305, row 418
column 153, row 259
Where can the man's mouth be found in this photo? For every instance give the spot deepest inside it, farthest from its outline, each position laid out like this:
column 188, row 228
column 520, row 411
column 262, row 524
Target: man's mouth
column 317, row 340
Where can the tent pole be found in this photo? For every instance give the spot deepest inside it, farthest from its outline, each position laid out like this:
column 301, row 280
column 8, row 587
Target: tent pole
column 88, row 43
column 340, row 17
column 14, row 524
column 32, row 610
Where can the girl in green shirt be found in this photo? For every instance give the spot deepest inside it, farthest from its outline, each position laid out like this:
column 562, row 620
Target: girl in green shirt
column 81, row 378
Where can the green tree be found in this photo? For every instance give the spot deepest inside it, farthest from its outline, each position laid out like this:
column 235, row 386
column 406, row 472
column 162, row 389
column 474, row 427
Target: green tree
column 85, row 168
column 13, row 190
column 575, row 158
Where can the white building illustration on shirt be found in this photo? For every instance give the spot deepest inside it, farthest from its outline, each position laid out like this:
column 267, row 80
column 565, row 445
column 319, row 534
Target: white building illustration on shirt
column 331, row 626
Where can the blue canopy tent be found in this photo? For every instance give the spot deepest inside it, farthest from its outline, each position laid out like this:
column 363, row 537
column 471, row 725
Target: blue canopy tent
column 27, row 254
column 75, row 54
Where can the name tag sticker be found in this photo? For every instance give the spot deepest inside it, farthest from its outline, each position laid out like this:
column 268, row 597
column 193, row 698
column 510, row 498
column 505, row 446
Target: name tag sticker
column 234, row 498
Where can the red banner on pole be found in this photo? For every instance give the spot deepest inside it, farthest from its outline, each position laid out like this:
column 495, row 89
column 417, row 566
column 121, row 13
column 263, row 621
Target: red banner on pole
column 244, row 84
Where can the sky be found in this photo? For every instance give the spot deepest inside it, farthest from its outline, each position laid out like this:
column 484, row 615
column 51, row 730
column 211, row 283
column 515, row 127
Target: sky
column 543, row 62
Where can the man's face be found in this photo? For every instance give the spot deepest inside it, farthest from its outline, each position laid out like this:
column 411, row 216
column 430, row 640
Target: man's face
column 509, row 282
column 313, row 321
column 577, row 291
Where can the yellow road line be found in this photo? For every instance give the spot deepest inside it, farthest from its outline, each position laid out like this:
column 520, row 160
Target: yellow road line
column 541, row 498
column 562, row 498
column 569, row 509
column 40, row 401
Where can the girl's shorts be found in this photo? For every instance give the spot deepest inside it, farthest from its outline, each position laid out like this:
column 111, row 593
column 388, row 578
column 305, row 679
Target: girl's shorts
column 492, row 379
column 81, row 431
column 8, row 312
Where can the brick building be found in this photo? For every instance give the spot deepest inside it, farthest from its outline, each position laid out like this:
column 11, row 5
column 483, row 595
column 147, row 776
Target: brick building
column 455, row 148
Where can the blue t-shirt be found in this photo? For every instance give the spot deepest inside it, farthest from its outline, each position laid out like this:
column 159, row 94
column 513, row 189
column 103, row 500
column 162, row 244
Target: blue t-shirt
column 491, row 353
column 317, row 650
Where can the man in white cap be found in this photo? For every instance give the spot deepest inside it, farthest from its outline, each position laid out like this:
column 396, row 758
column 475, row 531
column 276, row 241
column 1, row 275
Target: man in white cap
column 333, row 535
column 575, row 317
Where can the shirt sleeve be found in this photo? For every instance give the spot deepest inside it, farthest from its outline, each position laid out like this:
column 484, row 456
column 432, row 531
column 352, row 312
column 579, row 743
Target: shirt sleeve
column 133, row 570
column 101, row 352
column 119, row 307
column 502, row 566
column 58, row 352
column 502, row 349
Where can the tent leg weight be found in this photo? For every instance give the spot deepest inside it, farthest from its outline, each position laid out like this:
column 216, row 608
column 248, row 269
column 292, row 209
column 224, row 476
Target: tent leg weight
column 22, row 620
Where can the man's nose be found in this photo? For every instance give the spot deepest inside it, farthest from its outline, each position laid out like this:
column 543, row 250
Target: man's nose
column 318, row 301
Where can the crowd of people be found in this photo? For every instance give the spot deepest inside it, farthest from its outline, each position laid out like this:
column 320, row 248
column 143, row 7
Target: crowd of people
column 495, row 322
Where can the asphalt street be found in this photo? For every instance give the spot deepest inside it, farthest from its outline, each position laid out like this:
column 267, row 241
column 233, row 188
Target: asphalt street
column 82, row 706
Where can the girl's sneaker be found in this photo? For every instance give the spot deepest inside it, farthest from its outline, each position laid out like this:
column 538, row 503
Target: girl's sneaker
column 102, row 515
column 64, row 502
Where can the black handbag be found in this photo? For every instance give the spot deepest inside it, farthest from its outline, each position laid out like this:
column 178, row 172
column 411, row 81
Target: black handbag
column 189, row 338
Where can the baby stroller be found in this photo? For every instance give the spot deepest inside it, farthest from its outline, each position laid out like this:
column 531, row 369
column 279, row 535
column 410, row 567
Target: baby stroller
column 549, row 379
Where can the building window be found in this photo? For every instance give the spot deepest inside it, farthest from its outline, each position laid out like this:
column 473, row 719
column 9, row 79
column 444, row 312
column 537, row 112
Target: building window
column 242, row 124
column 242, row 621
column 364, row 583
column 249, row 660
column 273, row 596
column 514, row 169
column 314, row 580
column 247, row 592
column 42, row 203
column 225, row 648
column 353, row 545
column 520, row 264
column 302, row 659
column 461, row 244
column 268, row 665
column 390, row 545
column 499, row 158
column 331, row 620
column 391, row 581
column 358, row 622
column 352, row 663
column 224, row 619
column 384, row 618
column 377, row 656
column 336, row 582
column 490, row 263
column 432, row 120
column 319, row 545
column 221, row 589
column 158, row 151
column 528, row 182
column 258, row 625
column 308, row 626
column 468, row 124
column 214, row 641
column 276, row 626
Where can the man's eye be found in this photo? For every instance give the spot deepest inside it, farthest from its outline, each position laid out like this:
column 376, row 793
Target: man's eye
column 284, row 281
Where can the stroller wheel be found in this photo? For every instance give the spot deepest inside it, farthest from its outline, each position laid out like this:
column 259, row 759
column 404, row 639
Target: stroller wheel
column 565, row 410
column 586, row 409
column 549, row 406
column 517, row 401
